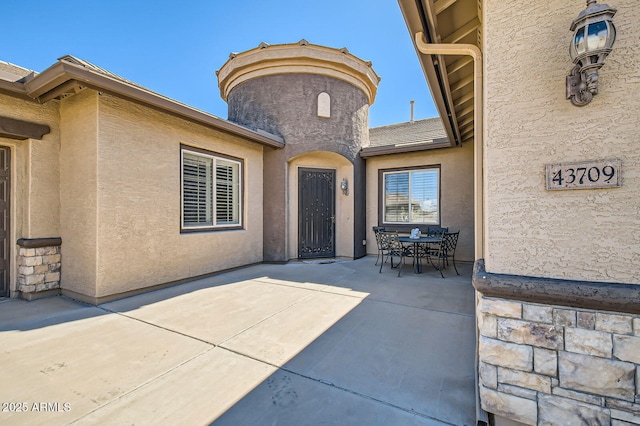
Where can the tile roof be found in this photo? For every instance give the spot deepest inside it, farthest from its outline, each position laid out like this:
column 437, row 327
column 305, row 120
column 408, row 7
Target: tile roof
column 428, row 130
column 12, row 73
column 411, row 135
column 70, row 75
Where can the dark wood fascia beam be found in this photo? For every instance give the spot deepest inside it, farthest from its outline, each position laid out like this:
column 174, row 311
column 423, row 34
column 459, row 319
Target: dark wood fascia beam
column 591, row 295
column 21, row 130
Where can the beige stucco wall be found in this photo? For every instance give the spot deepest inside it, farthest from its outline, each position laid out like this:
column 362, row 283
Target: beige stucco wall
column 107, row 180
column 139, row 243
column 577, row 234
column 456, row 187
column 35, row 181
column 344, row 203
column 78, row 194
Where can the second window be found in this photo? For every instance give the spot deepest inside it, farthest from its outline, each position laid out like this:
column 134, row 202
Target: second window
column 411, row 196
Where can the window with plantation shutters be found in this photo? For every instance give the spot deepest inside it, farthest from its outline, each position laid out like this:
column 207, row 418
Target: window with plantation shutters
column 411, row 196
column 226, row 193
column 211, row 196
column 196, row 190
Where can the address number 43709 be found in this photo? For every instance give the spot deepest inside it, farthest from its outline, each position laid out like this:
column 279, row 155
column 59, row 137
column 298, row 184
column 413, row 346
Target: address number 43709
column 584, row 175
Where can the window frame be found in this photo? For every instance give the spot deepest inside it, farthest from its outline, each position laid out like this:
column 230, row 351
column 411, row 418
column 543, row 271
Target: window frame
column 213, row 156
column 406, row 226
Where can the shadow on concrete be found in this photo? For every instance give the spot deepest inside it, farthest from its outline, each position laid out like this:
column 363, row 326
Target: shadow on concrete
column 294, row 344
column 404, row 355
column 20, row 315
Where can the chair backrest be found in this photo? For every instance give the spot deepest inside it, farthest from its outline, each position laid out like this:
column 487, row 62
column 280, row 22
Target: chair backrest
column 389, row 240
column 377, row 230
column 435, row 231
column 450, row 241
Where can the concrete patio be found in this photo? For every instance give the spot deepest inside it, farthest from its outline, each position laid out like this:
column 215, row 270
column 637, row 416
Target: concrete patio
column 294, row 344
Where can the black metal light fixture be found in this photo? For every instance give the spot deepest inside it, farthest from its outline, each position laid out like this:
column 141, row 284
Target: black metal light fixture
column 593, row 38
column 344, row 186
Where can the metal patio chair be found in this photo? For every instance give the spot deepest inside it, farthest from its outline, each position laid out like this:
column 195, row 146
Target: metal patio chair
column 435, row 231
column 444, row 251
column 392, row 247
column 376, row 231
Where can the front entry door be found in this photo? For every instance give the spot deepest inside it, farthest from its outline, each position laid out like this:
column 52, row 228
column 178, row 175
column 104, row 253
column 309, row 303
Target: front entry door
column 316, row 213
column 5, row 173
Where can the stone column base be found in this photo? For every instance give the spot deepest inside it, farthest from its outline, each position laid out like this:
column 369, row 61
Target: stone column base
column 39, row 267
column 543, row 363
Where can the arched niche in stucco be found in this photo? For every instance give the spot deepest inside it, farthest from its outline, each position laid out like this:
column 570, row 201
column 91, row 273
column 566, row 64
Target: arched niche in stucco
column 344, row 203
column 324, row 105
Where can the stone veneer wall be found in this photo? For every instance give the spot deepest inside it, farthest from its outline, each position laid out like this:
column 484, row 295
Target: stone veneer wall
column 39, row 264
column 543, row 364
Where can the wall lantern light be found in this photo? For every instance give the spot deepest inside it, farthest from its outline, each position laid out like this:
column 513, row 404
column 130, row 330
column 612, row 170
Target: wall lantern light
column 593, row 38
column 344, row 186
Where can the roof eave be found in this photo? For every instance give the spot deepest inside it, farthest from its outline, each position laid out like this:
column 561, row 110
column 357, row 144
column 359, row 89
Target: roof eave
column 417, row 21
column 54, row 82
column 15, row 89
column 377, row 151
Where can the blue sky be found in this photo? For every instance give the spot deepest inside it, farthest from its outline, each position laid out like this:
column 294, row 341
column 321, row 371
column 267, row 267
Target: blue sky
column 175, row 47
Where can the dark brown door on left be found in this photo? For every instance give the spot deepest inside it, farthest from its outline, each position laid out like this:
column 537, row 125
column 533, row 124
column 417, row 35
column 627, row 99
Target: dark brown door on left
column 5, row 174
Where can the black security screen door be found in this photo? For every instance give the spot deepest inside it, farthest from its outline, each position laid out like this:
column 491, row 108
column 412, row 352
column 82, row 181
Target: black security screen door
column 316, row 215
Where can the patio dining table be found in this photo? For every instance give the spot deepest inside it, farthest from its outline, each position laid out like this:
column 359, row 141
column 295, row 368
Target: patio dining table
column 416, row 245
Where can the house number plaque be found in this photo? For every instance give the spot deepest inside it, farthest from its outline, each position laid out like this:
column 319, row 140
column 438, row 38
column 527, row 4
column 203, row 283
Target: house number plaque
column 584, row 175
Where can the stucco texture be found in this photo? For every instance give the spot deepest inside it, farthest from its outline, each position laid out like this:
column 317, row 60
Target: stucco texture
column 35, row 179
column 35, row 170
column 456, row 192
column 286, row 105
column 78, row 195
column 591, row 235
column 132, row 203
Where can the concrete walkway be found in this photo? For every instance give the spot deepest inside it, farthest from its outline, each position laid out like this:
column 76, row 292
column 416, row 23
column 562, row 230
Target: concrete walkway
column 295, row 344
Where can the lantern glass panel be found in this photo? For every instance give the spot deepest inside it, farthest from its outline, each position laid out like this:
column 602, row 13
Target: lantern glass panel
column 597, row 36
column 579, row 41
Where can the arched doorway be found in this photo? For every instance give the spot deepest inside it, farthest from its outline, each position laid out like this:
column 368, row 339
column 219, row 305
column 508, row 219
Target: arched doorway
column 316, row 212
column 321, row 215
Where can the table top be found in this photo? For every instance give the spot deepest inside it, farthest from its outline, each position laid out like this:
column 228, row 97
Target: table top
column 423, row 239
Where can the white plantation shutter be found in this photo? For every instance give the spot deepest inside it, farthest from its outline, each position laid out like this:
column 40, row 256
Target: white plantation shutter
column 197, row 190
column 210, row 191
column 227, row 193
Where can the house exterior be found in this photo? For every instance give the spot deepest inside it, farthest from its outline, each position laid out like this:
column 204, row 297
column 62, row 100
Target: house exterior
column 93, row 166
column 557, row 271
column 317, row 99
column 111, row 189
column 415, row 148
